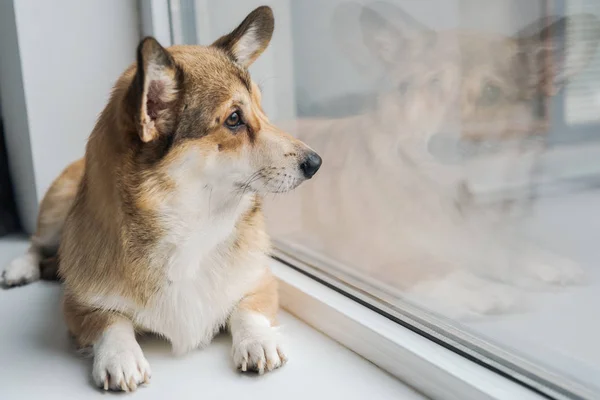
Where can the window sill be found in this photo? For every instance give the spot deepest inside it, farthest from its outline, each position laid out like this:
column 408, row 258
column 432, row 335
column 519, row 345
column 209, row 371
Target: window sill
column 421, row 363
column 37, row 360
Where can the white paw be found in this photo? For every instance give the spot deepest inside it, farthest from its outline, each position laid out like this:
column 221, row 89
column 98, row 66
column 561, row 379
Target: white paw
column 21, row 271
column 461, row 295
column 552, row 270
column 258, row 354
column 256, row 346
column 119, row 363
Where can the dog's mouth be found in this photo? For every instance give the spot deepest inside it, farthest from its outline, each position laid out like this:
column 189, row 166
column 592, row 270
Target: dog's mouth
column 281, row 179
column 451, row 150
column 286, row 183
column 270, row 180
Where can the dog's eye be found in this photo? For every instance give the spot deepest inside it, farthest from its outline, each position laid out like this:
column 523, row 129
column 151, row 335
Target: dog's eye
column 435, row 83
column 404, row 87
column 490, row 95
column 234, row 120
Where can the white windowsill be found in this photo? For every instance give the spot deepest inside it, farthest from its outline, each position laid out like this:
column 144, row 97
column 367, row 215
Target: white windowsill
column 434, row 370
column 36, row 360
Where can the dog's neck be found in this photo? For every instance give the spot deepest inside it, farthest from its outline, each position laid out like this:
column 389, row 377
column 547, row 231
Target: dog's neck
column 198, row 224
column 222, row 200
column 199, row 201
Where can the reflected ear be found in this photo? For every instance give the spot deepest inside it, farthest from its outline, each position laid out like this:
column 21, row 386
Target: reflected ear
column 391, row 34
column 383, row 40
column 155, row 89
column 248, row 41
column 551, row 53
column 348, row 37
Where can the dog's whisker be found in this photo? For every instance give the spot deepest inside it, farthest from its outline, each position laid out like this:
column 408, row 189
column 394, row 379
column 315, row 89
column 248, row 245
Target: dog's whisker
column 209, row 199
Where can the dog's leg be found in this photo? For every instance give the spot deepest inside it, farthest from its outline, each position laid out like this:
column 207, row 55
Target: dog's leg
column 119, row 363
column 44, row 243
column 23, row 270
column 461, row 294
column 512, row 259
column 539, row 268
column 34, row 264
column 256, row 342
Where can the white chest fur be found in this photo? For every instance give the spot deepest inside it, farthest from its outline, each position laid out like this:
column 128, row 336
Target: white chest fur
column 190, row 309
column 205, row 276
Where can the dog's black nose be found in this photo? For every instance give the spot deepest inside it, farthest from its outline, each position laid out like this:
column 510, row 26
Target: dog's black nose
column 310, row 165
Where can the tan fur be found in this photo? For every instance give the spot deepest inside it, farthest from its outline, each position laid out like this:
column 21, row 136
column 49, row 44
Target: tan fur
column 57, row 202
column 263, row 299
column 143, row 240
column 53, row 211
column 84, row 323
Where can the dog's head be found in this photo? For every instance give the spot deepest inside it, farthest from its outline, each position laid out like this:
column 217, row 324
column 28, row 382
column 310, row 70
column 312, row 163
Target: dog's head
column 468, row 87
column 197, row 112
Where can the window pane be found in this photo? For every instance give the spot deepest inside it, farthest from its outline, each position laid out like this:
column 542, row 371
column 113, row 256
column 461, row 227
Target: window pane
column 461, row 165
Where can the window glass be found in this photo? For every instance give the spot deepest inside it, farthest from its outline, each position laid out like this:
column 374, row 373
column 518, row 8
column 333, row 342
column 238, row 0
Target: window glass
column 461, row 162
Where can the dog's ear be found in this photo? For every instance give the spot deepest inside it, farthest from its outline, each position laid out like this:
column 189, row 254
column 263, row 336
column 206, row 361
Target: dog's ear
column 392, row 38
column 155, row 89
column 383, row 40
column 551, row 53
column 348, row 37
column 246, row 42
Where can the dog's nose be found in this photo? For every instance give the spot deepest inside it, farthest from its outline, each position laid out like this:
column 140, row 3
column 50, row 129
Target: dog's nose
column 310, row 165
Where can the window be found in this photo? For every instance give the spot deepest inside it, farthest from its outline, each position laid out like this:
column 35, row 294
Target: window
column 582, row 101
column 458, row 193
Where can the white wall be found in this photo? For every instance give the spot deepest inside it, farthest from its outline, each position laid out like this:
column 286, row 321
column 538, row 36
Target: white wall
column 14, row 114
column 274, row 69
column 325, row 71
column 70, row 52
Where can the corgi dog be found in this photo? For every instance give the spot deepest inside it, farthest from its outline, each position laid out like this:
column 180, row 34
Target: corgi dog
column 386, row 210
column 160, row 227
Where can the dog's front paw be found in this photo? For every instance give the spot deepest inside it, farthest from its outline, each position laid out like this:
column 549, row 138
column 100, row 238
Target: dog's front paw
column 260, row 352
column 21, row 271
column 121, row 370
column 552, row 270
column 462, row 295
column 120, row 366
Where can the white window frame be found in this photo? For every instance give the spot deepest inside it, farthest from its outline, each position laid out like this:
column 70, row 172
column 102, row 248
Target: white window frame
column 430, row 368
column 310, row 293
column 155, row 20
column 433, row 370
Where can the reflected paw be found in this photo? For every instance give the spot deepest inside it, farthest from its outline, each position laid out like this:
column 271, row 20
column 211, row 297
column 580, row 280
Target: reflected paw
column 552, row 270
column 461, row 295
